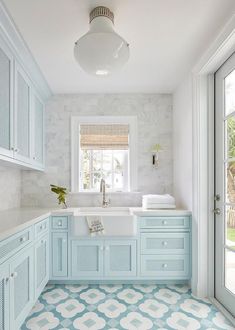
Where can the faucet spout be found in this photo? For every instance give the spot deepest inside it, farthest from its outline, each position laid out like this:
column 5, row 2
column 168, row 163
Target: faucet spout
column 105, row 202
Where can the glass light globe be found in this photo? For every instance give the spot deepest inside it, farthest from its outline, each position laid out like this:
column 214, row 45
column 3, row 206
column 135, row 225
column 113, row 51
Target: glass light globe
column 101, row 51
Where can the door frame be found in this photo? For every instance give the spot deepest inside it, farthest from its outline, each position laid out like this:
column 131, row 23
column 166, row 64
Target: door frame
column 203, row 162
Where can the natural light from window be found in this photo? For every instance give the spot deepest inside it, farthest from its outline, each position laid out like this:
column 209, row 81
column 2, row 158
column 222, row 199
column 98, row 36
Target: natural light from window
column 104, row 154
column 104, row 147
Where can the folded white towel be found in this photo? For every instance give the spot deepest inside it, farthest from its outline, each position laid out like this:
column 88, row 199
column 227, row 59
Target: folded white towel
column 161, row 199
column 157, row 206
column 95, row 225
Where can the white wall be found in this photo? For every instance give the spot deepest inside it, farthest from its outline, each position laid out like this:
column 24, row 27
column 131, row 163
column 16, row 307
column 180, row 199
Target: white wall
column 154, row 115
column 182, row 145
column 10, row 188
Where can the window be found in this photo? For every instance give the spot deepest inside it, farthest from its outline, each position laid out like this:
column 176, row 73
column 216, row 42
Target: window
column 103, row 147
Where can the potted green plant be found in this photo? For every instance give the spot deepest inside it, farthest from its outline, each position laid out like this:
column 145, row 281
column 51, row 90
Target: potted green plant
column 61, row 194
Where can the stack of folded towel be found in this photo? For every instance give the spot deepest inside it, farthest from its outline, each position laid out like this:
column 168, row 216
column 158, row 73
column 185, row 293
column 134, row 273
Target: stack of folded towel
column 158, row 202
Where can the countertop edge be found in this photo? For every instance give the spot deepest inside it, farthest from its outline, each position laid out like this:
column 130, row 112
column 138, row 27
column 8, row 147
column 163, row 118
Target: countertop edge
column 70, row 212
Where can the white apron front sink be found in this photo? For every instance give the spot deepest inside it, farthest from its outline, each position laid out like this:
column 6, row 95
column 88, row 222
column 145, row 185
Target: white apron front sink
column 117, row 221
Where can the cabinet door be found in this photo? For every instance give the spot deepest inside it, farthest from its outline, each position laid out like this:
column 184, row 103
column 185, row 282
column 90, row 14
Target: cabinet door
column 22, row 116
column 4, row 297
column 87, row 258
column 6, row 101
column 120, row 258
column 41, row 264
column 59, row 255
column 21, row 287
column 38, row 131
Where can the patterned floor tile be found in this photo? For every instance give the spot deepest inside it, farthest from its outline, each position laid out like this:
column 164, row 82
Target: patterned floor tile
column 131, row 307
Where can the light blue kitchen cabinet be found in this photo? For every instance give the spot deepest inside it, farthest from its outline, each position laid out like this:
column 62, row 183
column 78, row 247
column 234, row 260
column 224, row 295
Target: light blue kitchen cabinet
column 165, row 223
column 37, row 130
column 165, row 247
column 21, row 286
column 41, row 264
column 103, row 258
column 6, row 100
column 164, row 243
column 165, row 267
column 4, row 297
column 22, row 115
column 120, row 258
column 59, row 254
column 87, row 258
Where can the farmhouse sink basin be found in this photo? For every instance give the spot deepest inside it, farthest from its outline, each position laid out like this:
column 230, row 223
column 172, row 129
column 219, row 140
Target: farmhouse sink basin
column 117, row 221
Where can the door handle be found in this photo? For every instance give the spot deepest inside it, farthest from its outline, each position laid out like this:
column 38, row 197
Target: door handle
column 217, row 211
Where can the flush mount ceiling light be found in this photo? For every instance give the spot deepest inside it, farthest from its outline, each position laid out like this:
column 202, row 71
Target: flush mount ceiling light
column 101, row 51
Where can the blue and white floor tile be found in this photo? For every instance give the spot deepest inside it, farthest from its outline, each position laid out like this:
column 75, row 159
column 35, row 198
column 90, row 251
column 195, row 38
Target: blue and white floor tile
column 131, row 307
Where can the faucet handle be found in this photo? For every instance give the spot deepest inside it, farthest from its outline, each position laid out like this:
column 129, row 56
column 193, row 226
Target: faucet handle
column 106, row 202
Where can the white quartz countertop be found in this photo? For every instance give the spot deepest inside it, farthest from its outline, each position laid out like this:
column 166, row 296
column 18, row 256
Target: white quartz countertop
column 15, row 220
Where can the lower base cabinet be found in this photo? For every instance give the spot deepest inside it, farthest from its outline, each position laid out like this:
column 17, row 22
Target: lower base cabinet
column 87, row 258
column 165, row 266
column 21, row 287
column 4, row 297
column 101, row 258
column 59, row 254
column 120, row 258
column 16, row 289
column 23, row 275
column 41, row 264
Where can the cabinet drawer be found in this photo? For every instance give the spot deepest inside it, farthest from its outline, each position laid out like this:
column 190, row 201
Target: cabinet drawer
column 14, row 243
column 59, row 222
column 164, row 267
column 164, row 222
column 41, row 227
column 164, row 243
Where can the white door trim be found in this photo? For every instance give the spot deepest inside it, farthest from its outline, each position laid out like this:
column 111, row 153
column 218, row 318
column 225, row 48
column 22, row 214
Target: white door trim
column 203, row 154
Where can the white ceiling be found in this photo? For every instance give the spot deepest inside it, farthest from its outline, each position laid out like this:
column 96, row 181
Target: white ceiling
column 166, row 38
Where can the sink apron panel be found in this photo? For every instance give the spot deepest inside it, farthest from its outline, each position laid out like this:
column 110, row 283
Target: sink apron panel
column 114, row 225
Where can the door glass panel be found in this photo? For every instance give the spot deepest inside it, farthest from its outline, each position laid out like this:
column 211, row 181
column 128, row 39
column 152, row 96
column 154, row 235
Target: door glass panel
column 230, row 93
column 22, row 117
column 230, row 227
column 225, row 184
column 230, row 270
column 230, row 137
column 4, row 101
column 230, row 182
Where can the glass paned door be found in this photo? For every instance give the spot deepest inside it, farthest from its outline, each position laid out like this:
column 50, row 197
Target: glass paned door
column 225, row 184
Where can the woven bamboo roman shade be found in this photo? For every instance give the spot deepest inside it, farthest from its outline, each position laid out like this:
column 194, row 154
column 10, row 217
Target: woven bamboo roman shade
column 104, row 137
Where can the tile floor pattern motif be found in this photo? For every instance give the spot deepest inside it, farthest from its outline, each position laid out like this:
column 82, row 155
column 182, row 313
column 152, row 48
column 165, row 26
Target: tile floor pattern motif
column 131, row 307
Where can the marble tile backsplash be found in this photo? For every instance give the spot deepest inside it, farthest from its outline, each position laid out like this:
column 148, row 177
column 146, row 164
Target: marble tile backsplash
column 154, row 114
column 10, row 192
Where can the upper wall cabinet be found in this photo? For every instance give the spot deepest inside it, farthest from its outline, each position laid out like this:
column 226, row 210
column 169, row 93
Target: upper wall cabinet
column 6, row 100
column 21, row 115
column 38, row 130
column 23, row 92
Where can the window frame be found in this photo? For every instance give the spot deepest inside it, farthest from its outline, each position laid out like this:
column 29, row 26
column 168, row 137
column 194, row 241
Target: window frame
column 76, row 121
